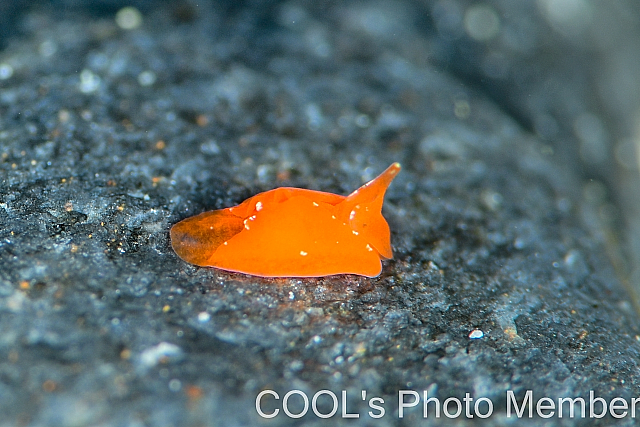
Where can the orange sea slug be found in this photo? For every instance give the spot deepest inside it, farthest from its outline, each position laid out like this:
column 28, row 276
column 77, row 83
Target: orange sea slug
column 293, row 232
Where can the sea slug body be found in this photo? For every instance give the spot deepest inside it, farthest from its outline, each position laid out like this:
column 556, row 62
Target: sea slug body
column 293, row 232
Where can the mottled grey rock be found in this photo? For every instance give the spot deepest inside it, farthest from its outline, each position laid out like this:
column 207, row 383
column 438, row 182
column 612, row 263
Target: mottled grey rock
column 506, row 220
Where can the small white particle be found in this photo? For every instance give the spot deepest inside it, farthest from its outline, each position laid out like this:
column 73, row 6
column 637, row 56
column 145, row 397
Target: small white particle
column 333, row 217
column 315, row 204
column 6, row 71
column 89, row 82
column 245, row 224
column 354, row 232
column 252, row 217
column 352, row 215
column 357, row 206
column 210, row 147
column 146, row 78
column 204, row 317
column 211, row 228
column 47, row 48
column 476, row 334
column 259, row 206
column 303, row 253
column 162, row 352
column 369, row 248
column 225, row 243
column 128, row 18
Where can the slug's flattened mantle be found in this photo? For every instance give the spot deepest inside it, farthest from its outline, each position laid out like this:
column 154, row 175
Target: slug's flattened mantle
column 293, row 232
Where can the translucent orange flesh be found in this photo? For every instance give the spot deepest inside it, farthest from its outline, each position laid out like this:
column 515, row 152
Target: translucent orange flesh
column 292, row 232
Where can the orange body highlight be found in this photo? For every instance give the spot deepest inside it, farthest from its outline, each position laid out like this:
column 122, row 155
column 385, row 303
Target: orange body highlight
column 292, row 232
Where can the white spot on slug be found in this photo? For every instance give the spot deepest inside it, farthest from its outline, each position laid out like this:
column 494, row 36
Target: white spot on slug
column 354, row 232
column 333, row 216
column 225, row 243
column 303, row 253
column 258, row 206
column 315, row 204
column 352, row 215
column 245, row 224
column 369, row 248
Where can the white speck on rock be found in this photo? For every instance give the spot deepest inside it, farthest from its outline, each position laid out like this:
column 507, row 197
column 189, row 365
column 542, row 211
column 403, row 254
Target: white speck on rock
column 146, row 78
column 476, row 334
column 89, row 82
column 204, row 317
column 210, row 147
column 161, row 353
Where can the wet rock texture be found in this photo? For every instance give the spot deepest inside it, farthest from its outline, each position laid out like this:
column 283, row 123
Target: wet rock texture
column 117, row 122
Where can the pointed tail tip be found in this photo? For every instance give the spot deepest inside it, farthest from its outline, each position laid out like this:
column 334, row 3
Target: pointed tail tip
column 392, row 171
column 386, row 176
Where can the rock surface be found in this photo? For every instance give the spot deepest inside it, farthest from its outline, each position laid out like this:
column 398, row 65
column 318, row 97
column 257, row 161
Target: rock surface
column 116, row 122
